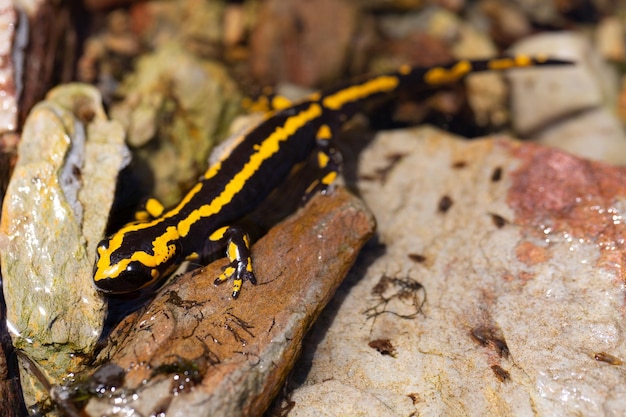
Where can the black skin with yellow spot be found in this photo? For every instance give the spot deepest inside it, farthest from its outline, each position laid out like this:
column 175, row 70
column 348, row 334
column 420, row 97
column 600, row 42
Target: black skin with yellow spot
column 146, row 252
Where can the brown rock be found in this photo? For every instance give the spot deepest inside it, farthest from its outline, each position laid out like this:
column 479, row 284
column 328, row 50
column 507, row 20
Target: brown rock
column 204, row 354
column 297, row 42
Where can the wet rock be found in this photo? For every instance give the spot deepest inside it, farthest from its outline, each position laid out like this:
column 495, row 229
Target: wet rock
column 497, row 305
column 194, row 351
column 54, row 212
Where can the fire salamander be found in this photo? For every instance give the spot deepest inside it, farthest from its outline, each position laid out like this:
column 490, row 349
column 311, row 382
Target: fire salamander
column 146, row 252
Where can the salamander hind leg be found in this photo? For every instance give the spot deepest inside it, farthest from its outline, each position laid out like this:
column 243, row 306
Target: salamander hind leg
column 328, row 161
column 238, row 253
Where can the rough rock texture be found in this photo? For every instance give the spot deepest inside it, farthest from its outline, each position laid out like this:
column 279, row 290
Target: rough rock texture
column 167, row 119
column 196, row 352
column 502, row 281
column 298, row 42
column 53, row 213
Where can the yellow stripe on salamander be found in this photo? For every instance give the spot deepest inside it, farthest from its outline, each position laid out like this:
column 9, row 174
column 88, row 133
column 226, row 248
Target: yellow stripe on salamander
column 381, row 84
column 264, row 151
column 161, row 251
column 506, row 63
column 440, row 75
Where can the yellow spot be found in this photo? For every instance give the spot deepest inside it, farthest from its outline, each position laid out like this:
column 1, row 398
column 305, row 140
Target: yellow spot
column 142, row 216
column 154, row 207
column 440, row 75
column 261, row 104
column 382, row 84
column 193, row 256
column 322, row 159
column 329, row 178
column 315, row 96
column 268, row 148
column 237, row 285
column 218, row 234
column 506, row 63
column 501, row 63
column 280, row 102
column 232, row 252
column 404, row 69
column 324, row 132
column 228, row 272
column 154, row 273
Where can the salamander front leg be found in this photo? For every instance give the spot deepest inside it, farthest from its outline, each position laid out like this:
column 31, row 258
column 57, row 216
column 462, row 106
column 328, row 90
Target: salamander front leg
column 238, row 252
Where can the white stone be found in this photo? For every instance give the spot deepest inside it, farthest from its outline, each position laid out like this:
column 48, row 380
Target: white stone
column 554, row 313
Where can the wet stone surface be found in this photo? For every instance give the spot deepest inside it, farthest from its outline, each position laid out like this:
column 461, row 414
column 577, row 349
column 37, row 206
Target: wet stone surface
column 195, row 351
column 508, row 302
column 54, row 210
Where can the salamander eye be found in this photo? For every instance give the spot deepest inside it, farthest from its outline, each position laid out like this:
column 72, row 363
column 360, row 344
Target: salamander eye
column 139, row 274
column 133, row 278
column 102, row 246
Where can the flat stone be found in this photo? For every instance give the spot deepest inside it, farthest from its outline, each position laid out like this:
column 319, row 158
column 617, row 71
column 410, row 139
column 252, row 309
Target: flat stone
column 544, row 100
column 496, row 280
column 596, row 134
column 196, row 352
column 542, row 95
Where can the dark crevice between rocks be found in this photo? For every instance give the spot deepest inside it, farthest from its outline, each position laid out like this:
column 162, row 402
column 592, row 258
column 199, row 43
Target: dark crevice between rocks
column 12, row 404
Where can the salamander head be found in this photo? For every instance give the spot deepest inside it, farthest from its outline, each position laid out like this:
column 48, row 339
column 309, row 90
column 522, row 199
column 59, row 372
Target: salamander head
column 129, row 260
